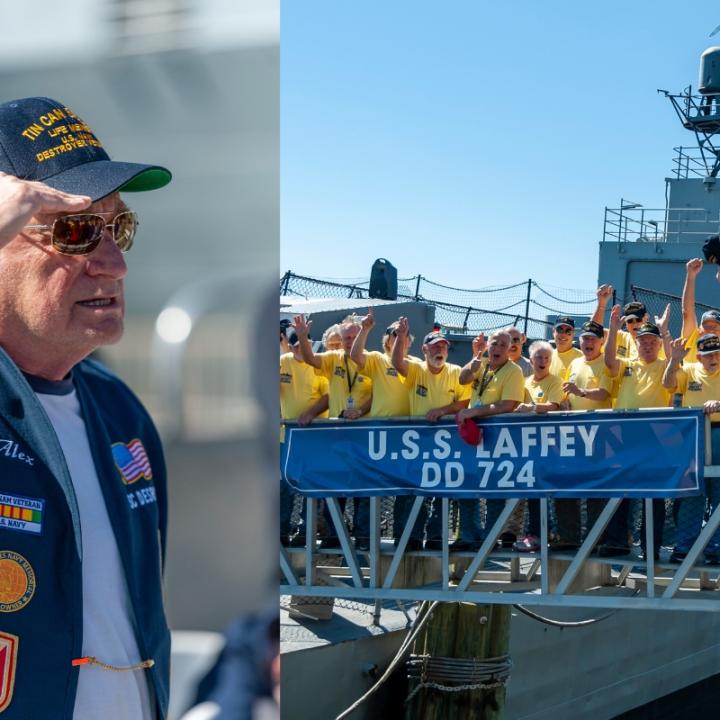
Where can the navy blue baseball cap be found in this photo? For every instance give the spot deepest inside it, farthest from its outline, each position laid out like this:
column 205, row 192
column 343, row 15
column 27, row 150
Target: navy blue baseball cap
column 42, row 139
column 592, row 328
column 564, row 320
column 648, row 329
column 435, row 337
column 707, row 344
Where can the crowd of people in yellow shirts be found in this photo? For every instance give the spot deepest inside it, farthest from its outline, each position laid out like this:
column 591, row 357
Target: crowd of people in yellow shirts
column 640, row 366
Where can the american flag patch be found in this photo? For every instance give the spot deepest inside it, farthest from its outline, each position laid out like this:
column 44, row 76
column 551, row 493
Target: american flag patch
column 132, row 461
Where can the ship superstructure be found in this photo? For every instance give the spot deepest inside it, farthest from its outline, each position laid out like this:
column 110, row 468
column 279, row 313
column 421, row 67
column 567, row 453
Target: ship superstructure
column 648, row 247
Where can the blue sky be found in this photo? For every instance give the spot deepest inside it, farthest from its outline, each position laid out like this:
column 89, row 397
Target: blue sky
column 476, row 144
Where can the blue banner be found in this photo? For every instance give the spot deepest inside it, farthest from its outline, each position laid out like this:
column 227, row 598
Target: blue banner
column 643, row 453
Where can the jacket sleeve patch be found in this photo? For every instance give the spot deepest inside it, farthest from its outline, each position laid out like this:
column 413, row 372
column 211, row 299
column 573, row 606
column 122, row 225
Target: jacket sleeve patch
column 8, row 660
column 21, row 513
column 17, row 581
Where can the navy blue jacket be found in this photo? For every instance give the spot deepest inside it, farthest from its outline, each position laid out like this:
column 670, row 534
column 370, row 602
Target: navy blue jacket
column 41, row 552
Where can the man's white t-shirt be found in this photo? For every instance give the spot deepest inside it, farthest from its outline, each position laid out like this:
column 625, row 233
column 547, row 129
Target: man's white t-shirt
column 108, row 631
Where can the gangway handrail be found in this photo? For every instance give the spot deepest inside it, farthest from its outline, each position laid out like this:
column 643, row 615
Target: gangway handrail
column 488, row 575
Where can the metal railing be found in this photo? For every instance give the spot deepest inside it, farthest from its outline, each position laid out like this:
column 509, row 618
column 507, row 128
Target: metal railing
column 656, row 225
column 701, row 115
column 688, row 163
column 388, row 571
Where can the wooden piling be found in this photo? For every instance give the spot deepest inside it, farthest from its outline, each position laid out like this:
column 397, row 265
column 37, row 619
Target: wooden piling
column 461, row 630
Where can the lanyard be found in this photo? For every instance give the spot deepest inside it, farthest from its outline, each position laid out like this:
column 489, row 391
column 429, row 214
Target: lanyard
column 350, row 379
column 485, row 380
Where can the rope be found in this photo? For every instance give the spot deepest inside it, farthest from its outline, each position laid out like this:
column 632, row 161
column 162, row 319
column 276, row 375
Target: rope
column 545, row 307
column 563, row 624
column 483, row 290
column 507, row 307
column 420, row 621
column 467, row 674
column 562, row 300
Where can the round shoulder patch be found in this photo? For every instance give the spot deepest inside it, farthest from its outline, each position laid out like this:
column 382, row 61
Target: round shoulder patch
column 17, row 581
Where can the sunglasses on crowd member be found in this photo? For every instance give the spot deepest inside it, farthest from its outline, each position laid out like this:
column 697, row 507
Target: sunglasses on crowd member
column 632, row 320
column 81, row 234
column 564, row 330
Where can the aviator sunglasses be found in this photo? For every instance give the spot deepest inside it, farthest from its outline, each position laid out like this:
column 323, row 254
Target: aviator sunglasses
column 81, row 234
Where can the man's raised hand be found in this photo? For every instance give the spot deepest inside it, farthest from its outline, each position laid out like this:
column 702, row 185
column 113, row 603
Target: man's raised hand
column 302, row 326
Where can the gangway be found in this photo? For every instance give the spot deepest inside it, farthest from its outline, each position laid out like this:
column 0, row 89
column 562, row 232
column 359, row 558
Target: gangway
column 489, row 574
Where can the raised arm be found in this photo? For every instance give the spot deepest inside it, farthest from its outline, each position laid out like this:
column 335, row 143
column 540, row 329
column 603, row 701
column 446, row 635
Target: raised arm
column 689, row 319
column 302, row 330
column 662, row 323
column 20, row 200
column 678, row 351
column 399, row 361
column 610, row 355
column 469, row 370
column 357, row 353
column 604, row 296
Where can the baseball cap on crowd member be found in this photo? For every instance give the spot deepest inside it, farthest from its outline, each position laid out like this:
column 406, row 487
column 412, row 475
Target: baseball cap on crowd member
column 41, row 139
column 592, row 328
column 712, row 315
column 708, row 344
column 434, row 337
column 648, row 329
column 564, row 320
column 635, row 309
column 711, row 249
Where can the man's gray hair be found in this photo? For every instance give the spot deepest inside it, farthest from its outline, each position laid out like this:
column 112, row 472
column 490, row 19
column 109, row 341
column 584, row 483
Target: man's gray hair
column 502, row 331
column 332, row 330
column 510, row 328
column 350, row 321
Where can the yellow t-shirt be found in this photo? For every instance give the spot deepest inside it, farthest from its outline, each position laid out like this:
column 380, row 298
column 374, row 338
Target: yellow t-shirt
column 549, row 389
column 300, row 387
column 589, row 376
column 561, row 360
column 641, row 385
column 390, row 393
column 342, row 375
column 691, row 344
column 428, row 390
column 625, row 346
column 490, row 386
column 697, row 386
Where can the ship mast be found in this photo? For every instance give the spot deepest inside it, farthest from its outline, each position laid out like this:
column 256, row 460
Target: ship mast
column 700, row 113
